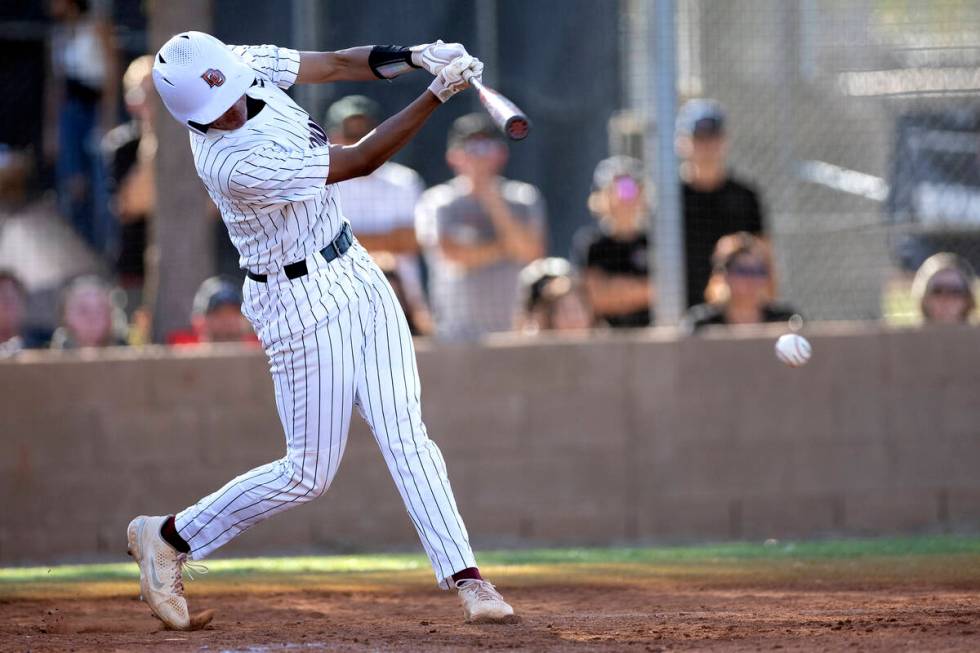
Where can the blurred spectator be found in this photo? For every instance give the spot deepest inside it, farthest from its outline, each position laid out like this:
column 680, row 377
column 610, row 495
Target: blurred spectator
column 553, row 298
column 944, row 289
column 381, row 206
column 129, row 150
column 715, row 203
column 613, row 254
column 216, row 315
column 89, row 316
column 81, row 101
column 478, row 230
column 13, row 312
column 741, row 288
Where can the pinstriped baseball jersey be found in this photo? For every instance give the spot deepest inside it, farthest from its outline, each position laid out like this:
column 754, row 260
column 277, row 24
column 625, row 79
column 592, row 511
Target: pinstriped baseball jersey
column 268, row 178
column 335, row 336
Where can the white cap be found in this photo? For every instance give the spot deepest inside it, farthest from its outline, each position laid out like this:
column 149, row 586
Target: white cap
column 199, row 77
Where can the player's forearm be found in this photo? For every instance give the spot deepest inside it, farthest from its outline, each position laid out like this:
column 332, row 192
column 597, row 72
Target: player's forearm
column 610, row 295
column 365, row 156
column 521, row 242
column 350, row 65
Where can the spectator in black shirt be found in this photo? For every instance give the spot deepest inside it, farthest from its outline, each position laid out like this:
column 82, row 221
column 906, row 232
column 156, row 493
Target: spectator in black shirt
column 741, row 288
column 613, row 254
column 129, row 150
column 715, row 203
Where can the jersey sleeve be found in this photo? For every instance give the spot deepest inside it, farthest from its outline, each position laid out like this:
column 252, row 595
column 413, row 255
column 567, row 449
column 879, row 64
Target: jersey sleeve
column 277, row 65
column 273, row 175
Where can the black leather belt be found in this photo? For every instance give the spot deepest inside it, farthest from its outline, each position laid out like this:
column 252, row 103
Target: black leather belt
column 337, row 248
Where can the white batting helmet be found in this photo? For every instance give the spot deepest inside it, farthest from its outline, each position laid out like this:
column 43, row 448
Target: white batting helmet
column 199, row 77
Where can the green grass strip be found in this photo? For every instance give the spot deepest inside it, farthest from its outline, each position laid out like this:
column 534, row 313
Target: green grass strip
column 842, row 549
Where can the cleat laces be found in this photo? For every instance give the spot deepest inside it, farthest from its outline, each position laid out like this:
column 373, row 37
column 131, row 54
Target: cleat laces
column 480, row 589
column 184, row 563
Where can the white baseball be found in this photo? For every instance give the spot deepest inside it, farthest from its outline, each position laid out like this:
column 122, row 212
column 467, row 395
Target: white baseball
column 793, row 349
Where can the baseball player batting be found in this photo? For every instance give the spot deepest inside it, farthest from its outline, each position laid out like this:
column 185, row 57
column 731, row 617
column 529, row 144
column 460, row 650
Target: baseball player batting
column 334, row 333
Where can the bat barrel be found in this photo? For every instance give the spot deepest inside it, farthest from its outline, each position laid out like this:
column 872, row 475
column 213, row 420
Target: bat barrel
column 504, row 113
column 517, row 128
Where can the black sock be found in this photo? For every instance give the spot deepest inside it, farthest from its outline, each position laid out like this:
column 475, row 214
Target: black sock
column 170, row 535
column 470, row 573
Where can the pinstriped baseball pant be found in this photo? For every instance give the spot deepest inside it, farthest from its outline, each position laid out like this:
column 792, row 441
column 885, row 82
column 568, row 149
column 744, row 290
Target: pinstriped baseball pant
column 336, row 338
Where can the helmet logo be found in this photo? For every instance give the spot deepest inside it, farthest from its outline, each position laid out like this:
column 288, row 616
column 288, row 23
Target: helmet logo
column 213, row 77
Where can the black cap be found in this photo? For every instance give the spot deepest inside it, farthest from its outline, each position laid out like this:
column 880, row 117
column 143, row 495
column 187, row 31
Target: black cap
column 608, row 170
column 701, row 117
column 350, row 107
column 215, row 293
column 473, row 125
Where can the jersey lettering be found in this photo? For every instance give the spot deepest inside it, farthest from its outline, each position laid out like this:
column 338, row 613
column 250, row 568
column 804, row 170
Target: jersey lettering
column 318, row 137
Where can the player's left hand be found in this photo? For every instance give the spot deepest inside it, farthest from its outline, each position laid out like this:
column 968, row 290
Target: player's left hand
column 455, row 76
column 436, row 56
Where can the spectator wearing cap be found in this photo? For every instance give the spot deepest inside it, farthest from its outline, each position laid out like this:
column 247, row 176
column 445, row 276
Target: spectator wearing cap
column 478, row 230
column 13, row 313
column 741, row 288
column 612, row 254
column 715, row 203
column 553, row 298
column 90, row 316
column 381, row 206
column 944, row 289
column 216, row 315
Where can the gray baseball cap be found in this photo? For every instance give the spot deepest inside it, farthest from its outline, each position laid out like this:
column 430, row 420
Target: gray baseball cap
column 701, row 117
column 608, row 170
column 351, row 106
column 215, row 293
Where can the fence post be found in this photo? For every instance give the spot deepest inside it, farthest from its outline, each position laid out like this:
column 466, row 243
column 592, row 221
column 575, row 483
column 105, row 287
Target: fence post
column 666, row 230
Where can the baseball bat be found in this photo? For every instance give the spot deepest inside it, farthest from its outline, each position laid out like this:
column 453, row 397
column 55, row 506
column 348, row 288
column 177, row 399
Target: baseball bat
column 504, row 113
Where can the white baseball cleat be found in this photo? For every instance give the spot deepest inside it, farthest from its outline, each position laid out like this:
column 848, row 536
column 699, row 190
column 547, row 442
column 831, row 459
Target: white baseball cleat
column 482, row 603
column 161, row 583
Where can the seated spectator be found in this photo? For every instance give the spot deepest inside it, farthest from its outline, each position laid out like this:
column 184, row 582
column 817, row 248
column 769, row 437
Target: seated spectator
column 944, row 289
column 478, row 231
column 89, row 316
column 612, row 255
column 715, row 202
column 419, row 321
column 554, row 300
column 216, row 315
column 13, row 312
column 741, row 289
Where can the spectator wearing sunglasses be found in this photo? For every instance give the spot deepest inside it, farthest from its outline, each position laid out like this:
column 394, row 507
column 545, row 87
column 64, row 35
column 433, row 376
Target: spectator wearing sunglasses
column 944, row 289
column 478, row 231
column 741, row 287
column 612, row 254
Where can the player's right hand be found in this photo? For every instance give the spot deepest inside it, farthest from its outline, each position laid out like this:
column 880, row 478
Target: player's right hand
column 455, row 76
column 436, row 56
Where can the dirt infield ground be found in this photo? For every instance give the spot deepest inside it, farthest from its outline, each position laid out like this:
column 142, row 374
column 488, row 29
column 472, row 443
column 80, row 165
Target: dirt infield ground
column 923, row 601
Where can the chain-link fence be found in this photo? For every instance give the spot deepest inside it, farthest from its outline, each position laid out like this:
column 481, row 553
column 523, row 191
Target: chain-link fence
column 856, row 121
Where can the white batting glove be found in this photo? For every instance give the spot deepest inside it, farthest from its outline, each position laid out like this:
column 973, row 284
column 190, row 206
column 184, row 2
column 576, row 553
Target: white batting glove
column 455, row 76
column 436, row 56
